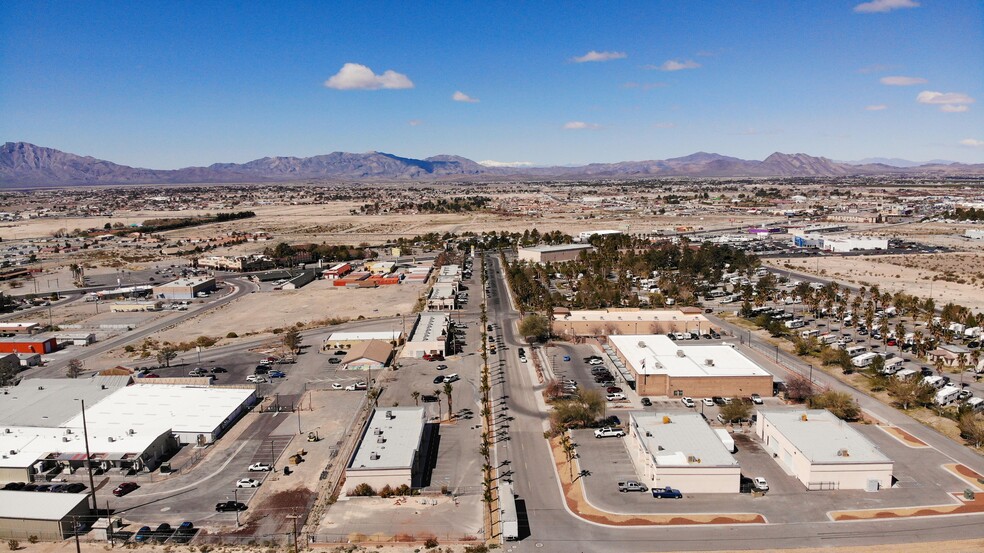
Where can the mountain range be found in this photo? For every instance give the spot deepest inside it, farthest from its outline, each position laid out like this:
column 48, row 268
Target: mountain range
column 26, row 165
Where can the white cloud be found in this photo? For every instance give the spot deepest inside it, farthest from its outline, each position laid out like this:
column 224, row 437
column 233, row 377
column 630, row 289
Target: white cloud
column 599, row 56
column 973, row 143
column 579, row 125
column 354, row 76
column 876, row 107
column 415, row 122
column 491, row 163
column 883, row 6
column 664, row 125
column 674, row 65
column 902, row 81
column 460, row 96
column 950, row 102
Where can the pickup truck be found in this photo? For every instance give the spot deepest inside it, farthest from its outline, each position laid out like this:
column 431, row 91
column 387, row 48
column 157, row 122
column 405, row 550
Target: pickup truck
column 667, row 493
column 632, row 486
column 609, row 432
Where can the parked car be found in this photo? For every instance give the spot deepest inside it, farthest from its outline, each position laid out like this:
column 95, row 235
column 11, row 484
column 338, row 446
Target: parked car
column 632, row 486
column 615, row 397
column 355, row 387
column 609, row 432
column 336, row 386
column 261, row 369
column 226, row 506
column 256, row 379
column 143, row 534
column 58, row 488
column 707, row 401
column 965, row 394
column 441, row 367
column 163, row 531
column 757, row 399
column 184, row 533
column 688, row 402
column 667, row 493
column 260, row 467
column 718, row 400
column 247, row 483
column 217, row 370
column 453, row 377
column 596, row 361
column 334, row 360
column 646, row 402
column 14, row 486
column 613, row 390
column 75, row 487
column 761, row 484
column 277, row 374
column 438, row 379
column 567, row 358
column 125, row 488
column 340, row 352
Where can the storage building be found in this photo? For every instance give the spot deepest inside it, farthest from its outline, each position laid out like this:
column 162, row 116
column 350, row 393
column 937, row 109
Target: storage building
column 370, row 355
column 429, row 335
column 346, row 340
column 184, row 288
column 553, row 254
column 39, row 343
column 606, row 322
column 822, row 451
column 49, row 516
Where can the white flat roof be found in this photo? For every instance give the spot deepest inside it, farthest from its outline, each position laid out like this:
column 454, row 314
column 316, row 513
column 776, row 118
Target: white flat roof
column 385, row 335
column 429, row 327
column 105, row 439
column 631, row 315
column 657, row 354
column 558, row 248
column 400, row 437
column 185, row 282
column 443, row 291
column 39, row 506
column 51, row 402
column 186, row 409
column 820, row 436
column 685, row 440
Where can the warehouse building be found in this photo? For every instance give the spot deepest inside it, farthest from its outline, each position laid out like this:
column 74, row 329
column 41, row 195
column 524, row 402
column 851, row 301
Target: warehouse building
column 39, row 343
column 553, row 254
column 390, row 451
column 822, row 451
column 429, row 335
column 135, row 306
column 606, row 322
column 306, row 277
column 185, row 288
column 49, row 516
column 371, row 355
column 841, row 245
column 662, row 367
column 346, row 340
column 443, row 297
column 20, row 328
column 681, row 451
column 337, row 271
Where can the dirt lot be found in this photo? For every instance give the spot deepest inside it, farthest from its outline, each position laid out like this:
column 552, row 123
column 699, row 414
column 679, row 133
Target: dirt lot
column 915, row 278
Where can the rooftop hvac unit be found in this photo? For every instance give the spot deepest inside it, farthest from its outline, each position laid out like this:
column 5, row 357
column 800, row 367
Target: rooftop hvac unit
column 843, row 453
column 378, row 431
column 680, row 353
column 69, row 431
column 13, row 452
column 709, row 362
column 65, row 439
column 131, row 432
column 389, row 415
column 642, row 344
column 373, row 456
column 380, row 440
column 7, row 431
column 110, row 439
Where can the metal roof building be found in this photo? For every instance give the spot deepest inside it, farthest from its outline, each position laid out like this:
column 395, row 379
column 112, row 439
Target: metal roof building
column 49, row 516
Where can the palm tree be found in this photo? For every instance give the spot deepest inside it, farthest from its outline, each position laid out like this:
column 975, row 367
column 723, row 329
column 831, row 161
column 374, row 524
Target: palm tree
column 440, row 415
column 416, row 397
column 447, row 392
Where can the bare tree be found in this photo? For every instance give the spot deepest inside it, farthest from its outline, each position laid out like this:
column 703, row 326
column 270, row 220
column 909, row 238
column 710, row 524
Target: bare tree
column 74, row 368
column 799, row 388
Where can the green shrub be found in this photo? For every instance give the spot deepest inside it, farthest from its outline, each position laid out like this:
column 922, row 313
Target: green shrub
column 363, row 490
column 232, row 335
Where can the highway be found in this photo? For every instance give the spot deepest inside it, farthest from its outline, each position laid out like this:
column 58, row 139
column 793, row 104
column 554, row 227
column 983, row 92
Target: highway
column 553, row 528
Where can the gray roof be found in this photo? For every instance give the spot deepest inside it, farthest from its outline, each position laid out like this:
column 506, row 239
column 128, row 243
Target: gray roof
column 686, row 440
column 49, row 402
column 823, row 438
column 39, row 506
column 400, row 429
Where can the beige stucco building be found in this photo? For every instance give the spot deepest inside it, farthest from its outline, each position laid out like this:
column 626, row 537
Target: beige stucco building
column 389, row 452
column 607, row 322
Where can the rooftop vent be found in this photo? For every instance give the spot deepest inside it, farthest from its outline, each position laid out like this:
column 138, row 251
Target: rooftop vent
column 680, row 353
column 378, row 431
column 65, row 439
column 131, row 432
column 642, row 344
column 110, row 439
column 709, row 362
column 666, row 419
column 389, row 415
column 373, row 456
column 843, row 453
column 803, row 417
column 380, row 440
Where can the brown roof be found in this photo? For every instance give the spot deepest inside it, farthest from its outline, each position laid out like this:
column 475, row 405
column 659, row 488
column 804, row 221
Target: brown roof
column 116, row 371
column 375, row 350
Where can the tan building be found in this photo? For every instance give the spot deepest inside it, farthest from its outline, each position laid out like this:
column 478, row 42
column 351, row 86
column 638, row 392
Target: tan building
column 822, row 451
column 389, row 452
column 49, row 516
column 135, row 306
column 679, row 450
column 607, row 322
column 370, row 355
column 553, row 254
column 429, row 335
column 662, row 367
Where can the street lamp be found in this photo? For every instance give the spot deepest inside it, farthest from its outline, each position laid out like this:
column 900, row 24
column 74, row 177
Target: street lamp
column 235, row 492
column 88, row 458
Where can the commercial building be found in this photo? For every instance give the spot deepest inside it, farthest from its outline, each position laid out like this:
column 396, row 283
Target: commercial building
column 184, row 288
column 371, row 355
column 443, row 297
column 76, row 338
column 586, row 235
column 49, row 516
column 38, row 343
column 822, row 451
column 606, row 322
column 428, row 336
column 662, row 367
column 389, row 451
column 681, row 451
column 135, row 306
column 29, row 359
column 346, row 340
column 337, row 271
column 841, row 245
column 553, row 254
column 20, row 328
column 299, row 281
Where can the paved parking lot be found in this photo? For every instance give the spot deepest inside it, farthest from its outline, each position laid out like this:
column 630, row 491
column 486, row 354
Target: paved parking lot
column 920, row 481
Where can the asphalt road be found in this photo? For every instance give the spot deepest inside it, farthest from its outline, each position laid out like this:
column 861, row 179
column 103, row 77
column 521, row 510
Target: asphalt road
column 553, row 528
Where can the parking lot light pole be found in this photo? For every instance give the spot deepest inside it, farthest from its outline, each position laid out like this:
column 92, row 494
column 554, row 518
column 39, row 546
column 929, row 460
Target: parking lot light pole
column 88, row 459
column 235, row 492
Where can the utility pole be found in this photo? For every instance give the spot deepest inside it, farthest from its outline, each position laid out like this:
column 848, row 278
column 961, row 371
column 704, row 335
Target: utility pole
column 75, row 529
column 294, row 517
column 235, row 492
column 88, row 460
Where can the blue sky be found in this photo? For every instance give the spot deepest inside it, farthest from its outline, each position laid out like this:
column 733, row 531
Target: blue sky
column 173, row 84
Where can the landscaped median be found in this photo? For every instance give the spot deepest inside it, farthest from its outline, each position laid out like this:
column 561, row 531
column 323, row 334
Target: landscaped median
column 578, row 504
column 961, row 506
column 904, row 437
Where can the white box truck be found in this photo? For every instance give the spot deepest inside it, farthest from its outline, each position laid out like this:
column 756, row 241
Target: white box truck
column 507, row 512
column 726, row 439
